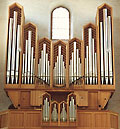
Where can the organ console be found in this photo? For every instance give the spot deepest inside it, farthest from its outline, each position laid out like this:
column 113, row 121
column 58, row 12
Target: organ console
column 60, row 83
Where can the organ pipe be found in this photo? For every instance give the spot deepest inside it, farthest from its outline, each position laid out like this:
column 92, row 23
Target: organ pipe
column 106, row 49
column 29, row 55
column 54, row 113
column 72, row 110
column 46, row 110
column 93, row 59
column 63, row 115
column 110, row 49
column 17, row 52
column 90, row 54
column 13, row 47
column 102, row 57
column 9, row 49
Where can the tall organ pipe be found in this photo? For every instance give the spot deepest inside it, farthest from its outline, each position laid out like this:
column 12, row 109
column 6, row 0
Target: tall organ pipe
column 87, row 72
column 26, row 58
column 23, row 68
column 29, row 54
column 74, row 60
column 110, row 50
column 102, row 57
column 90, row 54
column 13, row 46
column 32, row 51
column 96, row 67
column 105, row 45
column 9, row 49
column 44, row 60
column 17, row 52
column 93, row 59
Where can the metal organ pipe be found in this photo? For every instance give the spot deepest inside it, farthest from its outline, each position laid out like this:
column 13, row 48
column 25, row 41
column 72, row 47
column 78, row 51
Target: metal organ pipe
column 32, row 51
column 93, row 59
column 26, row 63
column 74, row 60
column 87, row 63
column 102, row 57
column 23, row 68
column 72, row 110
column 105, row 45
column 44, row 60
column 54, row 113
column 46, row 110
column 96, row 68
column 59, row 64
column 17, row 52
column 13, row 47
column 47, row 68
column 63, row 115
column 29, row 55
column 110, row 49
column 90, row 54
column 9, row 49
column 77, row 67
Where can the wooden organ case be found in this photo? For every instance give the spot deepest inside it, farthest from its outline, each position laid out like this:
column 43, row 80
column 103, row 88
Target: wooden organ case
column 65, row 84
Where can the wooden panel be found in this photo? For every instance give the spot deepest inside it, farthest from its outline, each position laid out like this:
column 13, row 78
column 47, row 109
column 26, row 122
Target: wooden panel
column 14, row 97
column 3, row 120
column 25, row 99
column 104, row 98
column 114, row 121
column 33, row 119
column 85, row 120
column 93, row 100
column 16, row 119
column 101, row 120
column 36, row 98
column 82, row 98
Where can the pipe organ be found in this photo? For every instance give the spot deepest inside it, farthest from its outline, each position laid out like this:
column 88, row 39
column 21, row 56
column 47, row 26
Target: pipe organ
column 54, row 115
column 28, row 55
column 90, row 49
column 72, row 109
column 59, row 67
column 15, row 22
column 44, row 64
column 105, row 42
column 63, row 111
column 75, row 62
column 59, row 83
column 46, row 110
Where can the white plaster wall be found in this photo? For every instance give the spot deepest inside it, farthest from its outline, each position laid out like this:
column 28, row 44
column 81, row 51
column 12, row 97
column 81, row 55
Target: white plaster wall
column 38, row 12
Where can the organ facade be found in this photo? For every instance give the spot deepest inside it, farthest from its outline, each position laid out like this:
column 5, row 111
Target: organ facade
column 59, row 83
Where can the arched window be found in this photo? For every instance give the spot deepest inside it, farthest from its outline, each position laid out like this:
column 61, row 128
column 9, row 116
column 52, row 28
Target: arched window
column 60, row 19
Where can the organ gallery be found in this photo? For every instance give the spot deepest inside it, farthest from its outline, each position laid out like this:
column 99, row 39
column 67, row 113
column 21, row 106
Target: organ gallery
column 59, row 83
